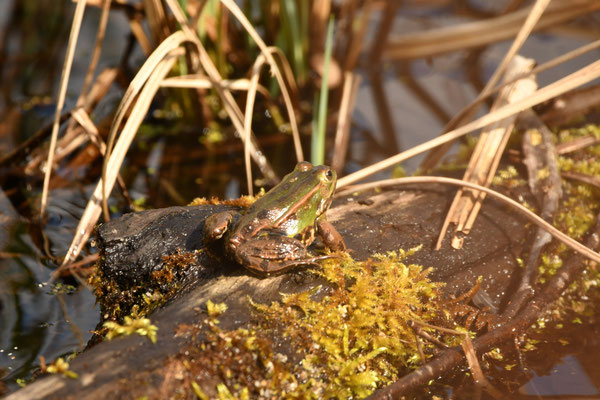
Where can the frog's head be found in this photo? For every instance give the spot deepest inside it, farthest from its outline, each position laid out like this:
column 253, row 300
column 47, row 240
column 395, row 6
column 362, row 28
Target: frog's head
column 299, row 199
column 315, row 192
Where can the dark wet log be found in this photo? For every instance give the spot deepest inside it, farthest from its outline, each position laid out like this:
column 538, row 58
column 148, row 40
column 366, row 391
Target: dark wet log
column 132, row 366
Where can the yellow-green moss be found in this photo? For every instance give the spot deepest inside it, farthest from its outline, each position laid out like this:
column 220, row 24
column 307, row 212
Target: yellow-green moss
column 341, row 340
column 140, row 326
column 243, row 201
column 357, row 337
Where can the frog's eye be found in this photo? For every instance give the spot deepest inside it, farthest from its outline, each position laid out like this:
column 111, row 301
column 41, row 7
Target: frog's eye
column 328, row 175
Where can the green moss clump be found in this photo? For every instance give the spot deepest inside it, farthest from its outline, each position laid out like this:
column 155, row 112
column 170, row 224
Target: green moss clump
column 580, row 201
column 340, row 340
column 357, row 337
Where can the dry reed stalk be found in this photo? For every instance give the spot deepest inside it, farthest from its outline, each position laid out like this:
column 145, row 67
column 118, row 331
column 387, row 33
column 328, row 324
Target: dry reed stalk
column 405, row 75
column 64, row 80
column 557, row 234
column 320, row 13
column 471, row 356
column 156, row 18
column 356, row 37
column 486, row 156
column 287, row 71
column 135, row 87
column 89, row 75
column 202, row 82
column 384, row 115
column 89, row 127
column 115, row 159
column 577, row 144
column 342, row 132
column 572, row 106
column 229, row 104
column 382, row 107
column 467, row 112
column 239, row 15
column 66, row 144
column 135, row 25
column 563, row 85
column 83, row 118
column 380, row 42
column 248, row 114
column 532, row 19
column 480, row 33
column 589, row 179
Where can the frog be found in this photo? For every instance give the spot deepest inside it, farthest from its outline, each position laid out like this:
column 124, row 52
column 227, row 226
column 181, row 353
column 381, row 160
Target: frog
column 273, row 234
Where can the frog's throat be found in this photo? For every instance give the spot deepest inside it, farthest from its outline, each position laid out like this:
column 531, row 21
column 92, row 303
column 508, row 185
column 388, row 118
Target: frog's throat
column 295, row 207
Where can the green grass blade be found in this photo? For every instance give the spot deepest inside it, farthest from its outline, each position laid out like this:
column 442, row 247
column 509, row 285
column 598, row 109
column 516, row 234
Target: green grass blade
column 291, row 18
column 318, row 137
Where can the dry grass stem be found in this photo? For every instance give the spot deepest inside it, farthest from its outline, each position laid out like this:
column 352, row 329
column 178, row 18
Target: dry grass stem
column 156, row 17
column 138, row 112
column 201, row 82
column 569, row 82
column 589, row 179
column 571, row 243
column 229, row 104
column 258, row 64
column 64, row 81
column 532, row 19
column 469, row 110
column 357, row 32
column 577, row 144
column 471, row 356
column 486, row 156
column 89, row 127
column 235, row 10
column 135, row 25
column 167, row 46
column 480, row 33
column 342, row 132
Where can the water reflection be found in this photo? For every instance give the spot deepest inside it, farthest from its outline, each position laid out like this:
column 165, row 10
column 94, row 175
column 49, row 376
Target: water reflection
column 36, row 318
column 566, row 378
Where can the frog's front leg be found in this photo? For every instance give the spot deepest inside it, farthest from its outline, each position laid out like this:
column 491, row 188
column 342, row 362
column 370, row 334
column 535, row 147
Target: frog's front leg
column 330, row 236
column 272, row 253
column 217, row 224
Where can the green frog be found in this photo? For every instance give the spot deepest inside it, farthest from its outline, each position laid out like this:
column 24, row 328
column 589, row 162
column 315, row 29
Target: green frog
column 274, row 232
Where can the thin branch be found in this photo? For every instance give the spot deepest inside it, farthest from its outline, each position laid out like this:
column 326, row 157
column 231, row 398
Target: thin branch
column 573, row 244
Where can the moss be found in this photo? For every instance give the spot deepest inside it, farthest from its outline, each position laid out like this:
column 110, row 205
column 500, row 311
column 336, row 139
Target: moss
column 340, row 340
column 243, row 201
column 508, row 177
column 139, row 300
column 580, row 202
column 60, row 366
column 140, row 326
